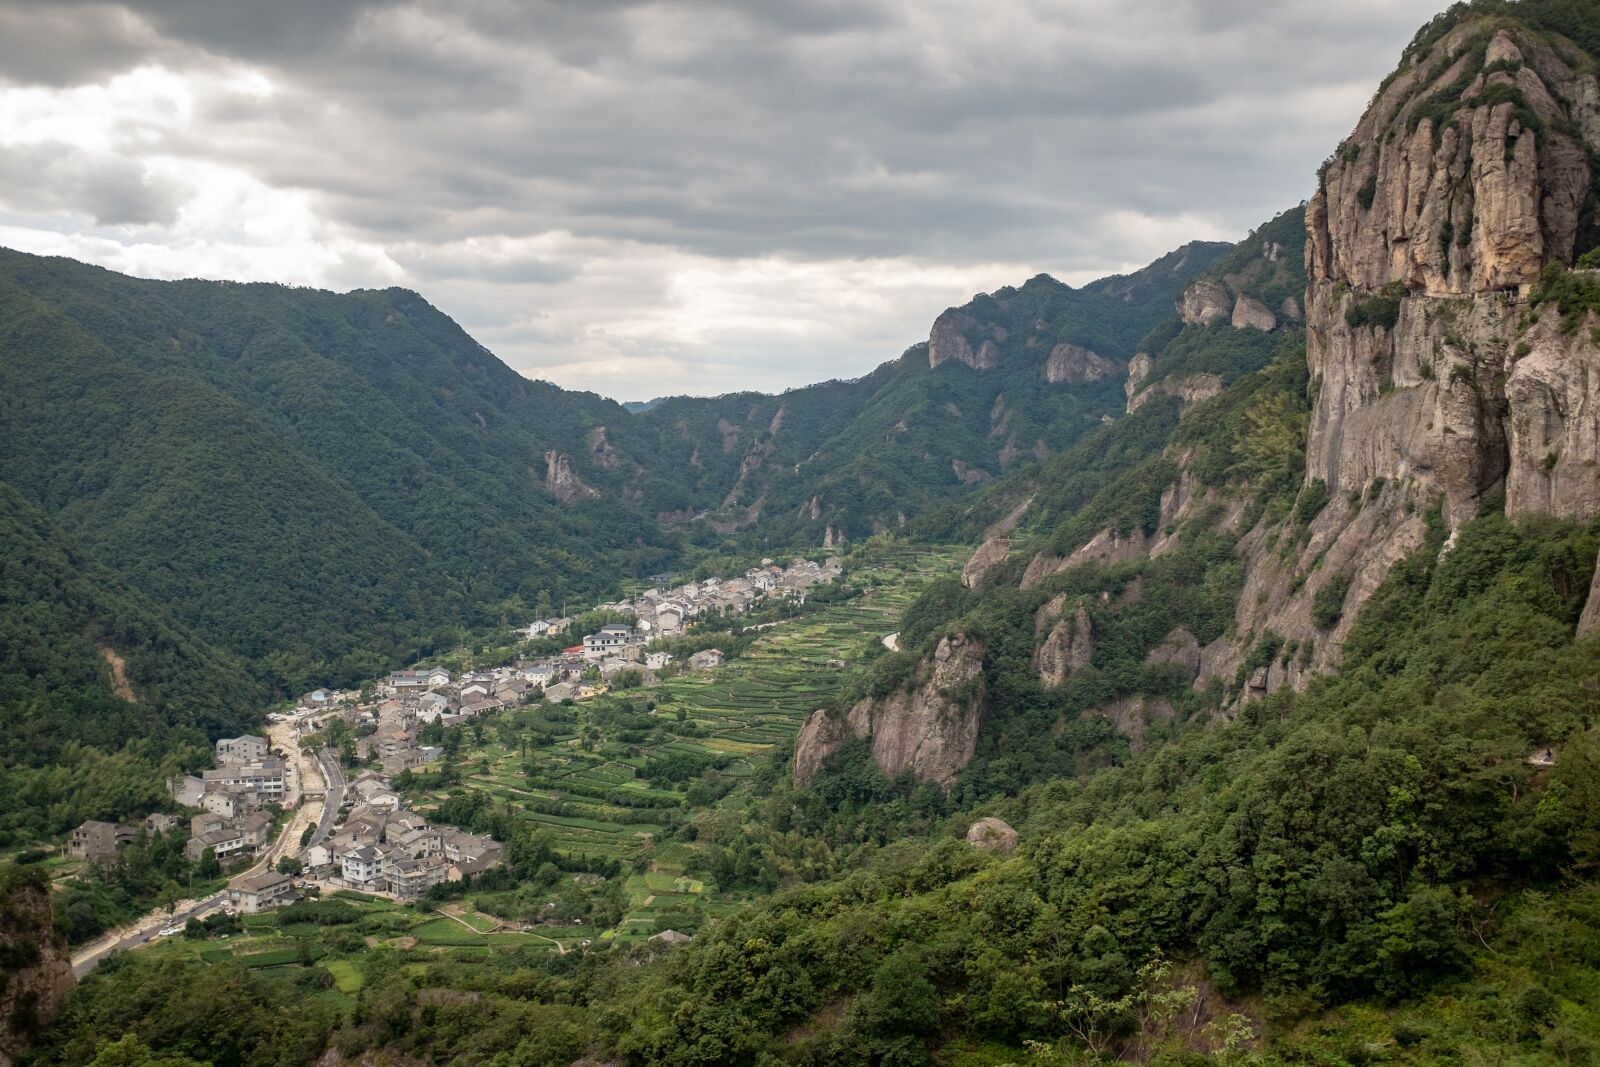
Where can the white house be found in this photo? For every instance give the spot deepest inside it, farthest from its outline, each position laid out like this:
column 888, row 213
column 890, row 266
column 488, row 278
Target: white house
column 361, row 866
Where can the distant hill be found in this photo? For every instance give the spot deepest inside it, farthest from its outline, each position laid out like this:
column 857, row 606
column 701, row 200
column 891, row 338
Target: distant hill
column 325, row 484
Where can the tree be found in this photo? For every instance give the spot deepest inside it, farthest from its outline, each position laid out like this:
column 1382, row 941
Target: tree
column 209, row 867
column 289, row 865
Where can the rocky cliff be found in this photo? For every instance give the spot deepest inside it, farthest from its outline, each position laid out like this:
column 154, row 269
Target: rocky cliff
column 35, row 969
column 929, row 728
column 1472, row 169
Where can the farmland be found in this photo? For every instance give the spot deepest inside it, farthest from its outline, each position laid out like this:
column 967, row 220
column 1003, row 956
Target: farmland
column 611, row 782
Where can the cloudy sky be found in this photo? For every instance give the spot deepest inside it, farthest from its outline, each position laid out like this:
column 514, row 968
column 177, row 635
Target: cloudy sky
column 671, row 197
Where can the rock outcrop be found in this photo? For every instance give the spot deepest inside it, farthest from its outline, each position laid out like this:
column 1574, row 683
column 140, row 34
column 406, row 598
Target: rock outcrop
column 1206, row 303
column 601, row 452
column 1191, row 389
column 992, row 835
column 1467, row 174
column 1074, row 363
column 561, row 479
column 929, row 729
column 1250, row 313
column 1067, row 647
column 988, row 556
column 37, row 975
column 948, row 343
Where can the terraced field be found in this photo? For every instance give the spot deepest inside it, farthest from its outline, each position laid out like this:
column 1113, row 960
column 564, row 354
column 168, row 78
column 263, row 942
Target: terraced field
column 587, row 786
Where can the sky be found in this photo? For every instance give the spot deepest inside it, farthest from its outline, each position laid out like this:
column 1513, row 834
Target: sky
column 644, row 199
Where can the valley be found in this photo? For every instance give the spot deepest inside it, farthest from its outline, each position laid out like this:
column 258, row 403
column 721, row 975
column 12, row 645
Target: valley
column 1195, row 666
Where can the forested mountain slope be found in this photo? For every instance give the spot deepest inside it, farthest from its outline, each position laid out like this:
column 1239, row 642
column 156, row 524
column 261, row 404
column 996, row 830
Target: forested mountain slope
column 325, row 484
column 98, row 686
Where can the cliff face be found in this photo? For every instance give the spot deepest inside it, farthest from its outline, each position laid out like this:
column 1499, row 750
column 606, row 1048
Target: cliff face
column 1469, row 172
column 35, row 968
column 929, row 729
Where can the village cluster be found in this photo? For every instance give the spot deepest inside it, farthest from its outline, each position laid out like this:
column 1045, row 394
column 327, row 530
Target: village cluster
column 367, row 840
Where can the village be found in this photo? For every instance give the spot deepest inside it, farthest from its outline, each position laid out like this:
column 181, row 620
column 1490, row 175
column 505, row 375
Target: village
column 278, row 810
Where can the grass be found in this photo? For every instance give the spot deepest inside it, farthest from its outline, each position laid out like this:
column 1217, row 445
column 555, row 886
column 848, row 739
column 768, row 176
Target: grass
column 346, row 977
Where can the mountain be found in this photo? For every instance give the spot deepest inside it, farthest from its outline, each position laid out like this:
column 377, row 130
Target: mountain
column 369, row 479
column 97, row 684
column 1011, row 377
column 1260, row 726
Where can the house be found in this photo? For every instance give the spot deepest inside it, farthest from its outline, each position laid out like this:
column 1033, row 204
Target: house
column 316, row 698
column 482, row 706
column 540, row 674
column 472, row 691
column 468, row 853
column 224, row 804
column 261, row 891
column 657, row 660
column 707, row 659
column 669, row 618
column 98, row 841
column 555, row 694
column 437, row 676
column 316, row 857
column 432, row 705
column 244, row 749
column 159, row 824
column 186, row 789
column 605, row 640
column 671, row 937
column 206, row 822
column 265, row 776
column 255, row 829
column 412, row 878
column 361, row 866
column 409, row 682
column 224, row 843
column 405, row 759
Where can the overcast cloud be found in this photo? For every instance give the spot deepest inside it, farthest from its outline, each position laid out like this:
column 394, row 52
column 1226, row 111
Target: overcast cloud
column 671, row 197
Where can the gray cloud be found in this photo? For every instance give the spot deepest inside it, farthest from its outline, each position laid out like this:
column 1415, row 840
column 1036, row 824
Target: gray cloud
column 1075, row 138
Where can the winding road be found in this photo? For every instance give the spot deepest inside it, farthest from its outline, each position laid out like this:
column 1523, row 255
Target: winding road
column 303, row 769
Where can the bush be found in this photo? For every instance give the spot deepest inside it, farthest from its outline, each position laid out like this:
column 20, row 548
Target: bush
column 1381, row 309
column 1368, row 192
column 1328, row 603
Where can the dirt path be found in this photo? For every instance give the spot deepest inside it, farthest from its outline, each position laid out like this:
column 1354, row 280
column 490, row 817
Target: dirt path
column 892, row 641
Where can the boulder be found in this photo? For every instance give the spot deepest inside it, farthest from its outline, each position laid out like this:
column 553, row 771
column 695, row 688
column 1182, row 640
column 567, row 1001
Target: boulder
column 992, row 835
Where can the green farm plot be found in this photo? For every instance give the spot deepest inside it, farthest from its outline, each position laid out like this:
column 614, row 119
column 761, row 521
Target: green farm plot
column 622, row 771
column 346, row 976
column 445, row 931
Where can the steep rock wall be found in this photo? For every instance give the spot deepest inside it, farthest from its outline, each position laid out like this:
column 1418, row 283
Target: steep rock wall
column 35, row 967
column 1468, row 173
column 929, row 729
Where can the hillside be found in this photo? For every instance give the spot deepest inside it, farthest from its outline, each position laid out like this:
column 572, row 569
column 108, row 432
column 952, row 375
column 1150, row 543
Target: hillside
column 1260, row 725
column 97, row 684
column 370, row 480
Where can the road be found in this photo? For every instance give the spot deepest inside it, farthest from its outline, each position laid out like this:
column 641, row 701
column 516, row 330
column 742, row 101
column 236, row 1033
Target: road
column 141, row 932
column 333, row 796
column 304, row 770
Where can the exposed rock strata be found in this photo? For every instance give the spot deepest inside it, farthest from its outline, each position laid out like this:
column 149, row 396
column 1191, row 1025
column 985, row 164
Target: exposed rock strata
column 988, row 556
column 929, row 729
column 1074, row 363
column 561, row 479
column 1454, row 218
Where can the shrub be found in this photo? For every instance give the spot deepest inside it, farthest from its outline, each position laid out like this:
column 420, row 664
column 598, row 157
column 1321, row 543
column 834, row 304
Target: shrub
column 1328, row 604
column 1381, row 309
column 1368, row 192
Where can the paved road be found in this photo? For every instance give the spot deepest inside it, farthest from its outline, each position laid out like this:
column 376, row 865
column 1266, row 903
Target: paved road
column 85, row 964
column 333, row 775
